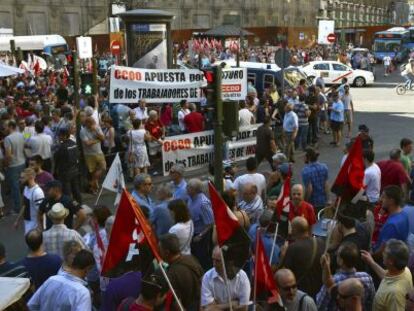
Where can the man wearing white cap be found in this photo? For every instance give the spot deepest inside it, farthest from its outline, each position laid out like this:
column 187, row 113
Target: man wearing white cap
column 58, row 234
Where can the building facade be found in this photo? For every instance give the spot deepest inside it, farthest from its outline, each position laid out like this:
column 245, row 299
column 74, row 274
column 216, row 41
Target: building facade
column 68, row 18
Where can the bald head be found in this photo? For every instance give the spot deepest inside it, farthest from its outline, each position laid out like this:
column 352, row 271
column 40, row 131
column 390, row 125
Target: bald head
column 300, row 227
column 282, row 275
column 351, row 287
column 297, row 194
column 249, row 192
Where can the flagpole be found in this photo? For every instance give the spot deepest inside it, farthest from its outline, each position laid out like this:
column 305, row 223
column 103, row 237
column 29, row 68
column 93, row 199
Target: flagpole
column 274, row 244
column 226, row 280
column 256, row 255
column 99, row 196
column 328, row 238
column 170, row 286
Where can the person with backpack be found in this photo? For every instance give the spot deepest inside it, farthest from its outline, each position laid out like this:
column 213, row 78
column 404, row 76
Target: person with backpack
column 66, row 170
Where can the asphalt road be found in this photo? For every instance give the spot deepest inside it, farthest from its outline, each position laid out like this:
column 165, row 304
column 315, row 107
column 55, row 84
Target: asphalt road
column 388, row 116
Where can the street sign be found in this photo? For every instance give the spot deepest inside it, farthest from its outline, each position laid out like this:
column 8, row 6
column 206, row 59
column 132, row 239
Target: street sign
column 84, row 46
column 115, row 47
column 331, row 38
column 325, row 28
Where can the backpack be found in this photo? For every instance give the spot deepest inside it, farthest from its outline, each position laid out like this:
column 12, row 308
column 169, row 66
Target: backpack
column 69, row 154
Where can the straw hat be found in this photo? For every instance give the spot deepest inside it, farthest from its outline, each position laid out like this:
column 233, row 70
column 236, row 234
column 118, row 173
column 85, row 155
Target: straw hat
column 58, row 211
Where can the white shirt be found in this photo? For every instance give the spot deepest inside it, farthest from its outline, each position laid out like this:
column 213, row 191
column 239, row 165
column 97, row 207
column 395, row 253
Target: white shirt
column 256, row 179
column 181, row 114
column 184, row 232
column 387, row 60
column 245, row 117
column 41, row 144
column 32, row 198
column 141, row 114
column 213, row 288
column 372, row 181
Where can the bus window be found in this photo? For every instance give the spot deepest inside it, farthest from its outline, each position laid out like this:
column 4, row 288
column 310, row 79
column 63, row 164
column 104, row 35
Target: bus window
column 251, row 77
column 268, row 81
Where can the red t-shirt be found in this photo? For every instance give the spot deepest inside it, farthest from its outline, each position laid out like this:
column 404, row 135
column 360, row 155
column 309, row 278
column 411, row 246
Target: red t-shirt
column 194, row 122
column 154, row 128
column 303, row 210
column 392, row 173
column 137, row 307
column 166, row 116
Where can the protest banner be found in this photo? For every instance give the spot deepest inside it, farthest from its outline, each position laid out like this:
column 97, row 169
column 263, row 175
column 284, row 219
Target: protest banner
column 196, row 150
column 234, row 84
column 128, row 85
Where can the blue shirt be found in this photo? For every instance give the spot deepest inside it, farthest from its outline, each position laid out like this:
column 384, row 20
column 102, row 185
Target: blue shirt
column 290, row 122
column 63, row 292
column 267, row 240
column 161, row 219
column 180, row 191
column 42, row 267
column 143, row 200
column 337, row 113
column 396, row 227
column 409, row 211
column 201, row 212
column 316, row 174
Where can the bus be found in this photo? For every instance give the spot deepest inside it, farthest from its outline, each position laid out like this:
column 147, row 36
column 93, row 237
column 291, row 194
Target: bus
column 51, row 47
column 389, row 42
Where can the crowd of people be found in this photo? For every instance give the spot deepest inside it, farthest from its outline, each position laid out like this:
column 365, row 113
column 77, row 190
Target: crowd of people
column 358, row 261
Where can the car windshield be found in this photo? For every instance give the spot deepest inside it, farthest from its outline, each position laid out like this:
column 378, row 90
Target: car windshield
column 293, row 76
column 387, row 45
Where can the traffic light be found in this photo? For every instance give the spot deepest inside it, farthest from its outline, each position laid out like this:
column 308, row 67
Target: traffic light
column 211, row 89
column 86, row 83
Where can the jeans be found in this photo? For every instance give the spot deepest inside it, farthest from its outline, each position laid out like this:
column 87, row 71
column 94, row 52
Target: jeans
column 71, row 187
column 313, row 131
column 12, row 179
column 302, row 137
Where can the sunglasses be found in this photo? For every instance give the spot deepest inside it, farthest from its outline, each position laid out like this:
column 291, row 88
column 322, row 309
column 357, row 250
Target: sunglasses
column 289, row 288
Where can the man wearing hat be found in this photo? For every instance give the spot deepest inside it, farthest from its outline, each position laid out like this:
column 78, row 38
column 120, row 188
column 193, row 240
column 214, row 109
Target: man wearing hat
column 54, row 194
column 58, row 234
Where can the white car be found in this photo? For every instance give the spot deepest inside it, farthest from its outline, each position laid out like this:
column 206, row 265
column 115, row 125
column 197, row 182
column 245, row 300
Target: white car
column 333, row 72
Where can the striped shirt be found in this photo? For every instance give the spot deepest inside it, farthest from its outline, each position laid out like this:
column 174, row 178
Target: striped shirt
column 302, row 111
column 253, row 209
column 13, row 270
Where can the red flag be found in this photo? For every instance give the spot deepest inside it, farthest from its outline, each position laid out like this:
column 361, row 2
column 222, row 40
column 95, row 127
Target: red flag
column 350, row 179
column 226, row 222
column 124, row 235
column 284, row 197
column 36, row 68
column 263, row 273
column 144, row 225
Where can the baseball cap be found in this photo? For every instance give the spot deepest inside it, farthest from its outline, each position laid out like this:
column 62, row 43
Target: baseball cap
column 363, row 128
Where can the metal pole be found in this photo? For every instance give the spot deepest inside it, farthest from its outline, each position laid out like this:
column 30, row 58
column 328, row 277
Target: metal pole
column 226, row 280
column 273, row 244
column 218, row 132
column 76, row 80
column 13, row 51
column 255, row 269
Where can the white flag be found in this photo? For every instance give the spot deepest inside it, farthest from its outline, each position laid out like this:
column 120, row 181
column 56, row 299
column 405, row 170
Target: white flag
column 114, row 180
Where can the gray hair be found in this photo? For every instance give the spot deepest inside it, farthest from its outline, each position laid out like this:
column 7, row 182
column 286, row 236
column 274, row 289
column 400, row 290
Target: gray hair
column 195, row 184
column 280, row 157
column 398, row 252
column 140, row 179
column 178, row 168
column 70, row 249
column 153, row 113
column 167, row 189
column 89, row 111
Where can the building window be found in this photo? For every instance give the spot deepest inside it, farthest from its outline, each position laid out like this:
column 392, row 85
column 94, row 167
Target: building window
column 231, row 19
column 201, row 21
column 5, row 20
column 70, row 24
column 36, row 23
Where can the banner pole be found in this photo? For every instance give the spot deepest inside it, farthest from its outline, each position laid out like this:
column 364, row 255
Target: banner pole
column 226, row 280
column 274, row 244
column 170, row 286
column 328, row 238
column 99, row 195
column 255, row 269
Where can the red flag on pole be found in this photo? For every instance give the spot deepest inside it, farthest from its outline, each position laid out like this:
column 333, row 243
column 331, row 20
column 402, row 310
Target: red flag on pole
column 144, row 225
column 264, row 281
column 125, row 236
column 284, row 197
column 226, row 222
column 350, row 179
